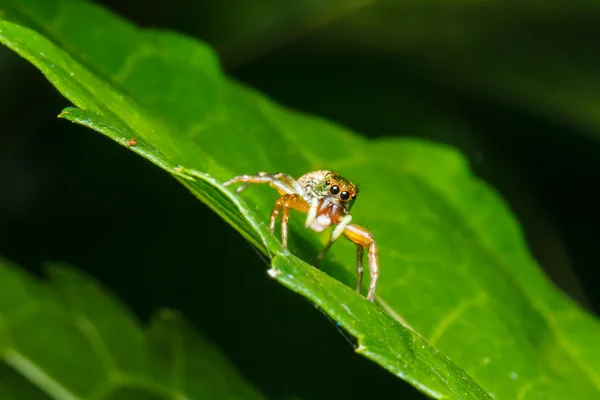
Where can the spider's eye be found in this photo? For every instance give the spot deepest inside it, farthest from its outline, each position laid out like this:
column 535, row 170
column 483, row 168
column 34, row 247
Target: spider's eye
column 327, row 183
column 334, row 190
column 353, row 196
column 344, row 196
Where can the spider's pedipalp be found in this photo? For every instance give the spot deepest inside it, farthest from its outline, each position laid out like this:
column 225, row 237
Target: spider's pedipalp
column 311, row 215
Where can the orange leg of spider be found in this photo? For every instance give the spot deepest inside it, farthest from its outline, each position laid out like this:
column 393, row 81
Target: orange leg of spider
column 283, row 205
column 359, row 266
column 364, row 240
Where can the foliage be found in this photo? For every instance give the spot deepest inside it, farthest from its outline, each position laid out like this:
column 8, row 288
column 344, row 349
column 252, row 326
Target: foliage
column 93, row 348
column 457, row 279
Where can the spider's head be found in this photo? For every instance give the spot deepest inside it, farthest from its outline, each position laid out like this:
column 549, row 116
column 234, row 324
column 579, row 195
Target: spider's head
column 336, row 190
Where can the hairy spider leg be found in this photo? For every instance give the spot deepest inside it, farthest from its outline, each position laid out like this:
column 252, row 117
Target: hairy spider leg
column 283, row 205
column 359, row 266
column 284, row 183
column 363, row 238
column 292, row 196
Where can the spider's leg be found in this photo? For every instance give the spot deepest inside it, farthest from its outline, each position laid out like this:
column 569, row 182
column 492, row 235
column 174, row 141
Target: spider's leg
column 363, row 238
column 359, row 266
column 322, row 254
column 286, row 202
column 284, row 183
column 339, row 229
column 275, row 213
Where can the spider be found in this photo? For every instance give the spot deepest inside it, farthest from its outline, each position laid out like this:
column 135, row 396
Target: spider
column 327, row 198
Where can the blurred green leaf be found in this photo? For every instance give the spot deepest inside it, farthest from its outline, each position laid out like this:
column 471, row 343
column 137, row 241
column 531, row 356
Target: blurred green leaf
column 73, row 341
column 537, row 56
column 249, row 32
column 454, row 264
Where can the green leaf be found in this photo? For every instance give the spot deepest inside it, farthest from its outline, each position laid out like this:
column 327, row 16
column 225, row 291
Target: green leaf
column 522, row 54
column 14, row 386
column 537, row 56
column 455, row 271
column 248, row 32
column 73, row 341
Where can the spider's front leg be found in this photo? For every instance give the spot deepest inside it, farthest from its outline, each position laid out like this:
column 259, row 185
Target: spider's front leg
column 291, row 196
column 283, row 205
column 284, row 183
column 363, row 240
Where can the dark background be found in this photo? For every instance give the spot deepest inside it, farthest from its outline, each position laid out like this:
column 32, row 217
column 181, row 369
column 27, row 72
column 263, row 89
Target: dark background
column 70, row 195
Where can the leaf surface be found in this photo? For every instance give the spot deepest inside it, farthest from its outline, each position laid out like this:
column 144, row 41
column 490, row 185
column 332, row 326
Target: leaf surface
column 456, row 275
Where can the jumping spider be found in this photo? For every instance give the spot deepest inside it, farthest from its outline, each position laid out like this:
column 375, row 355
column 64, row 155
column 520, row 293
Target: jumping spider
column 327, row 199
